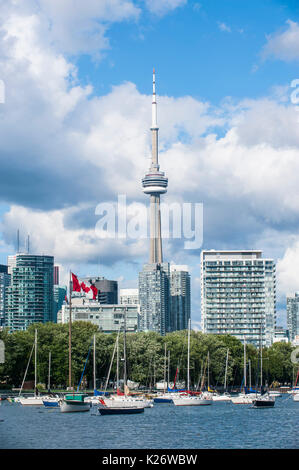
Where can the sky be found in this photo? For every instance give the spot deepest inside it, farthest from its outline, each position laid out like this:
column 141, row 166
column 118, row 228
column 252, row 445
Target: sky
column 75, row 113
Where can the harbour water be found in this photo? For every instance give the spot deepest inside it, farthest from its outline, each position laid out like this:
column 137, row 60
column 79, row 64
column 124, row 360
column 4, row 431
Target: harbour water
column 165, row 426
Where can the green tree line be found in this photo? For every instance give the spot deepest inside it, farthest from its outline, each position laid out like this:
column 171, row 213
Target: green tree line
column 145, row 357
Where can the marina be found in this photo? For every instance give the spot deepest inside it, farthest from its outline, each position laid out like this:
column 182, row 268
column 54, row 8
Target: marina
column 163, row 426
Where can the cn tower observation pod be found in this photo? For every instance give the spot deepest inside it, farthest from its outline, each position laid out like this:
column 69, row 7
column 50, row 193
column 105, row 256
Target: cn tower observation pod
column 155, row 183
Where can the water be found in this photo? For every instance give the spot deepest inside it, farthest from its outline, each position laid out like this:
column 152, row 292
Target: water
column 165, row 426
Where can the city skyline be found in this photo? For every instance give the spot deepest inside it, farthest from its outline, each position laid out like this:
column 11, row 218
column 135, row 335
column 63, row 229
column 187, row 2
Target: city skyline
column 229, row 130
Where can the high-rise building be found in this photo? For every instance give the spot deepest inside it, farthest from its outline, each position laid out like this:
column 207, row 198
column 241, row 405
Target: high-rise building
column 30, row 294
column 4, row 283
column 238, row 295
column 293, row 315
column 154, row 298
column 180, row 296
column 59, row 295
column 56, row 275
column 129, row 297
column 107, row 290
column 154, row 293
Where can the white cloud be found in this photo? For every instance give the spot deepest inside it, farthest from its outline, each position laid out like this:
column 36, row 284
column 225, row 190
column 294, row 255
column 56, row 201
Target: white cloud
column 161, row 7
column 288, row 270
column 73, row 26
column 224, row 27
column 283, row 45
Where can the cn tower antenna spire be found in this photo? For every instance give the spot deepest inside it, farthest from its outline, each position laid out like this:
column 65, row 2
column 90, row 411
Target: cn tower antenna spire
column 154, row 103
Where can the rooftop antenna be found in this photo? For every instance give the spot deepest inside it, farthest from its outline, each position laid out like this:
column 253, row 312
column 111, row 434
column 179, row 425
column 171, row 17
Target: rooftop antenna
column 28, row 244
column 18, row 241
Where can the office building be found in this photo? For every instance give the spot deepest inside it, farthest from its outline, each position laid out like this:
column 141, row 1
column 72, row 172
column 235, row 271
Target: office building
column 108, row 318
column 30, row 293
column 293, row 315
column 180, row 297
column 238, row 295
column 129, row 297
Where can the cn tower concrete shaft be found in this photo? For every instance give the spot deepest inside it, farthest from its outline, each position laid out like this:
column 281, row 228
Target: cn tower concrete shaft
column 155, row 183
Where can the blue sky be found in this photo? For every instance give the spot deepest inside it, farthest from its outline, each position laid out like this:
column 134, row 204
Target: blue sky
column 76, row 118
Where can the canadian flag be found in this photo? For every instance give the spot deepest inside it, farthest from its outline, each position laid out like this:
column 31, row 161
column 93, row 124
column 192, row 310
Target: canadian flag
column 76, row 284
column 84, row 287
column 94, row 291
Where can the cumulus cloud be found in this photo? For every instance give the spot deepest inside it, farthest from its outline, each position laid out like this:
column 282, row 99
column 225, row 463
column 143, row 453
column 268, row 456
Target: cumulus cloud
column 283, row 45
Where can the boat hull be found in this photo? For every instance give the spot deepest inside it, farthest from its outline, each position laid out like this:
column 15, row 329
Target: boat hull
column 192, row 401
column 296, row 397
column 263, row 403
column 31, row 401
column 163, row 400
column 51, row 404
column 120, row 411
column 72, row 407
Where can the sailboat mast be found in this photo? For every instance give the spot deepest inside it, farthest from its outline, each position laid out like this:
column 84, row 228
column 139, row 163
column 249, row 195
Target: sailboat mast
column 35, row 362
column 94, row 364
column 70, row 336
column 125, row 358
column 49, row 372
column 249, row 371
column 208, row 370
column 225, row 376
column 261, row 360
column 164, row 369
column 117, row 365
column 244, row 362
column 168, row 369
column 188, row 360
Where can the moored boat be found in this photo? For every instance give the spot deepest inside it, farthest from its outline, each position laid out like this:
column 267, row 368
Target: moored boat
column 73, row 403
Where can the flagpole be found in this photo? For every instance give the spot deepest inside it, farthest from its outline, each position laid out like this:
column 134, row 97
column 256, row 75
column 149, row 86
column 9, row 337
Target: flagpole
column 70, row 335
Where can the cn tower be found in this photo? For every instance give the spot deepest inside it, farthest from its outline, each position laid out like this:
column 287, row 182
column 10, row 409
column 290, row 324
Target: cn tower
column 155, row 183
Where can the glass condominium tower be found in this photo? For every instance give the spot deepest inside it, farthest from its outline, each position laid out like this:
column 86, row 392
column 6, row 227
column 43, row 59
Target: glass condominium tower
column 30, row 294
column 293, row 315
column 238, row 295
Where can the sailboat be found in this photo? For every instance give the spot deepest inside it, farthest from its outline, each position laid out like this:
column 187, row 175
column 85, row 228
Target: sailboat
column 51, row 401
column 121, row 403
column 35, row 400
column 72, row 402
column 242, row 398
column 225, row 396
column 264, row 400
column 187, row 399
column 165, row 397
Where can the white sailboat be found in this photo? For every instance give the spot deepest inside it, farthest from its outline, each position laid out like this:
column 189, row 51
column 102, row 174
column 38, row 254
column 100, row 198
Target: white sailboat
column 225, row 396
column 243, row 398
column 187, row 399
column 264, row 400
column 35, row 400
column 121, row 404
